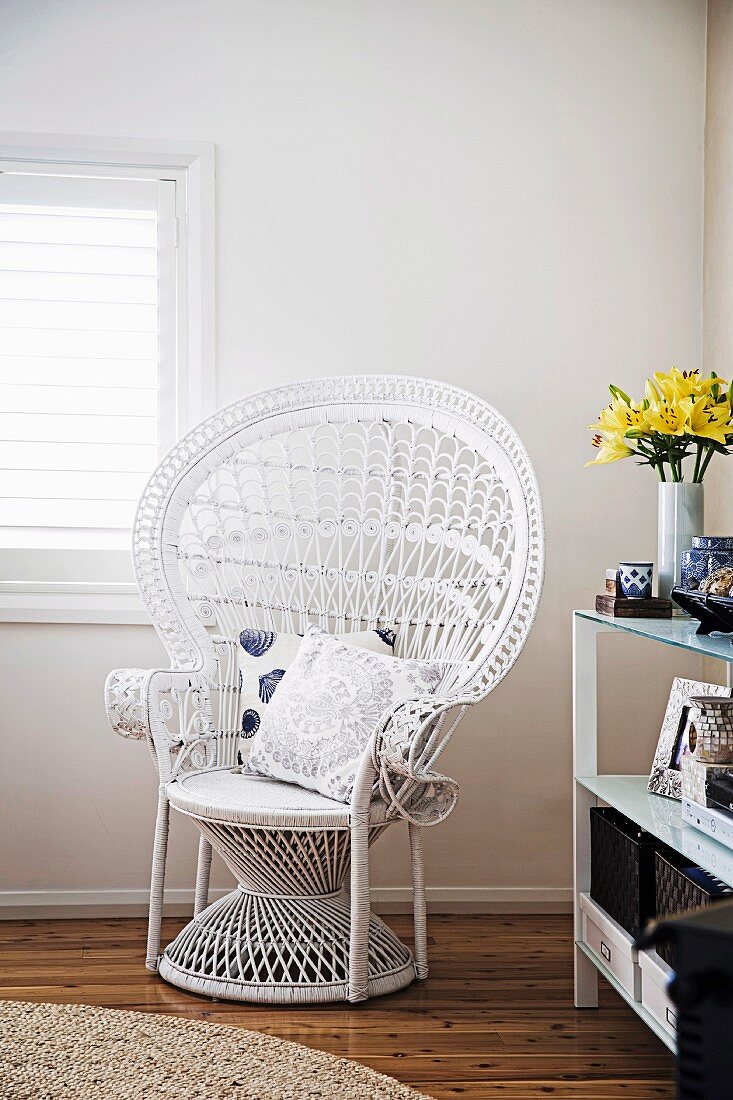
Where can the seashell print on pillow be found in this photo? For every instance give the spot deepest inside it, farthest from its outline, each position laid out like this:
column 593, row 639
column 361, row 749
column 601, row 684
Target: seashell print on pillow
column 257, row 642
column 269, row 682
column 250, row 722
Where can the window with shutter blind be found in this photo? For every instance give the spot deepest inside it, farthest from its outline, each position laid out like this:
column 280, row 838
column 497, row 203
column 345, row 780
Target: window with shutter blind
column 106, row 356
column 87, row 346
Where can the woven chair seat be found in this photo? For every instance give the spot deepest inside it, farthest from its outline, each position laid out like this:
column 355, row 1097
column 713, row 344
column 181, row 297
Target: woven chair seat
column 228, row 795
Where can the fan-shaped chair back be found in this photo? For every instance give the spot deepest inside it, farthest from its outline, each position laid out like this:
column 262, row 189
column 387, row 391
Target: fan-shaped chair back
column 355, row 503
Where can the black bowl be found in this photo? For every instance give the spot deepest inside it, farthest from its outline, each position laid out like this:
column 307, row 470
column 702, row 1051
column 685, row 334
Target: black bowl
column 713, row 612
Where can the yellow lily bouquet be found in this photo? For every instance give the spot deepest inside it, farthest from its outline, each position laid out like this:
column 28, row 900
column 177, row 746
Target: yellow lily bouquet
column 681, row 414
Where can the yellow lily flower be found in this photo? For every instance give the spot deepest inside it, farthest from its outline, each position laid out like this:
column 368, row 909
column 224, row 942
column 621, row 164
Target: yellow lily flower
column 618, row 417
column 610, row 449
column 669, row 419
column 679, row 384
column 651, row 394
column 681, row 416
column 707, row 420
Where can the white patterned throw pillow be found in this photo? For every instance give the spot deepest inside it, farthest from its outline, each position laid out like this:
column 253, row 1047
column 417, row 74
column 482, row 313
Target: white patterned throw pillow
column 316, row 728
column 265, row 656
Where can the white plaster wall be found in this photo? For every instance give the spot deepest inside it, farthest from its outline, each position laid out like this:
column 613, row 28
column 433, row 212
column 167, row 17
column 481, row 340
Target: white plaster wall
column 507, row 196
column 718, row 279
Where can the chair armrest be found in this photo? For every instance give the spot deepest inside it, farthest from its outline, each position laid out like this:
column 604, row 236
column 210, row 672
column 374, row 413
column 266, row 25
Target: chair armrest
column 413, row 733
column 168, row 708
column 404, row 749
column 126, row 702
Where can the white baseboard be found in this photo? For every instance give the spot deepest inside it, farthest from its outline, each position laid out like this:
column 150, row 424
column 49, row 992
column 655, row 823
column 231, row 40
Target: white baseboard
column 477, row 899
column 20, row 905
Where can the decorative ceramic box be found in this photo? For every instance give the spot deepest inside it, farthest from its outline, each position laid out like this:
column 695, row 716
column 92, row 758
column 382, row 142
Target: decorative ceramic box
column 708, row 553
column 696, row 565
column 695, row 775
column 713, row 729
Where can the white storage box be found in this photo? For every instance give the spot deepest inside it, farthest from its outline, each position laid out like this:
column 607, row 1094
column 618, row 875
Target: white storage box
column 612, row 945
column 655, row 975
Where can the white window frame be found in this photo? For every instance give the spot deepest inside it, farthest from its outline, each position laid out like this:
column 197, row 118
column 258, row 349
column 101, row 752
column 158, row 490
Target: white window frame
column 192, row 166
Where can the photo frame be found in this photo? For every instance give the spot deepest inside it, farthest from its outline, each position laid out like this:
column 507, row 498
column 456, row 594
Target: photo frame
column 666, row 775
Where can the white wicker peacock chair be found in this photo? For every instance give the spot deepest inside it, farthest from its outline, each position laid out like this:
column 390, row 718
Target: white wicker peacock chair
column 355, row 503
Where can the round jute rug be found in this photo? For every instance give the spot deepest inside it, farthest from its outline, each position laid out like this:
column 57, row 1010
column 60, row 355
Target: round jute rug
column 82, row 1053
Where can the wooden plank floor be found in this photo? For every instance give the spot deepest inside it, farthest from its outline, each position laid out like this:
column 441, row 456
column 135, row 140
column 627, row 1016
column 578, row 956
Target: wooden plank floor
column 495, row 1018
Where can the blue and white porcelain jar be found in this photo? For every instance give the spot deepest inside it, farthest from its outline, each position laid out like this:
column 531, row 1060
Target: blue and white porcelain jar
column 708, row 553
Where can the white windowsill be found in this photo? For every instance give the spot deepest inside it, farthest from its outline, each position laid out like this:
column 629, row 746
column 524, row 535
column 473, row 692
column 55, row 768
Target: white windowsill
column 70, row 602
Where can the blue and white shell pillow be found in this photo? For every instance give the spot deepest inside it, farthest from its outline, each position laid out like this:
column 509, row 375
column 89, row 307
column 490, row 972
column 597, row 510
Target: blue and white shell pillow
column 265, row 657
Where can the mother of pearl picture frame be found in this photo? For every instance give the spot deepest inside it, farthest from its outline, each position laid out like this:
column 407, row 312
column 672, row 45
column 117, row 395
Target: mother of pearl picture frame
column 666, row 774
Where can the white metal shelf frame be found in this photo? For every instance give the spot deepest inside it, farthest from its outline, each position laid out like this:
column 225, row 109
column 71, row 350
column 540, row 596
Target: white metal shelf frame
column 660, row 816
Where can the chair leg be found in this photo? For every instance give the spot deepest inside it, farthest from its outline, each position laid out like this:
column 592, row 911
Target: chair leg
column 360, row 909
column 203, row 870
column 418, row 903
column 157, row 883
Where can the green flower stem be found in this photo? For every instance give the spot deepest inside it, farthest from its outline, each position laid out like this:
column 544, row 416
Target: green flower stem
column 672, row 467
column 697, row 476
column 653, row 456
column 706, row 462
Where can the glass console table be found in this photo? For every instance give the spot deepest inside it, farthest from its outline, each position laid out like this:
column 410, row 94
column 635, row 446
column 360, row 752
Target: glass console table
column 658, row 815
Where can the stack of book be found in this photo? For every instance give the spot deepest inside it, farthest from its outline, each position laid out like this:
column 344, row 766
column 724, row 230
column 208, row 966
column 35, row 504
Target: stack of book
column 613, row 602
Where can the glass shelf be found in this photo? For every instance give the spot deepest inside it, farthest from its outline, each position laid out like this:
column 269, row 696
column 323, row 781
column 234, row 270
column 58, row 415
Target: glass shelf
column 677, row 632
column 662, row 817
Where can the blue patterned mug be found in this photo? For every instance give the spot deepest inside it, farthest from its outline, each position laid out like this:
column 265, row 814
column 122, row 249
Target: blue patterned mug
column 635, row 578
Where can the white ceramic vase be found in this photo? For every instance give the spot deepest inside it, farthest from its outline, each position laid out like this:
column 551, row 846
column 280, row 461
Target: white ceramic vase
column 681, row 515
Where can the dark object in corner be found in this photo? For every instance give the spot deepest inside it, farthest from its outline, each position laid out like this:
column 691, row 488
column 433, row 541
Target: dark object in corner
column 712, row 612
column 702, row 990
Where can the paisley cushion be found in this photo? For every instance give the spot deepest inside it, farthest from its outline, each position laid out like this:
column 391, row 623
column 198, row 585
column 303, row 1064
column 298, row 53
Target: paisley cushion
column 265, row 656
column 317, row 726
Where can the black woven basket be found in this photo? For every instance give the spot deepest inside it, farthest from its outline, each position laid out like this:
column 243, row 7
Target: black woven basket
column 681, row 887
column 621, row 868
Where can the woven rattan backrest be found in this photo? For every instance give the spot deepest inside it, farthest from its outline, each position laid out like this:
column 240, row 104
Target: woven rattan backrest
column 354, row 503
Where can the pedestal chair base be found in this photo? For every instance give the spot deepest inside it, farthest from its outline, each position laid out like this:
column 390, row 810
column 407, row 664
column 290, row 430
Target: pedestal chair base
column 281, row 950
